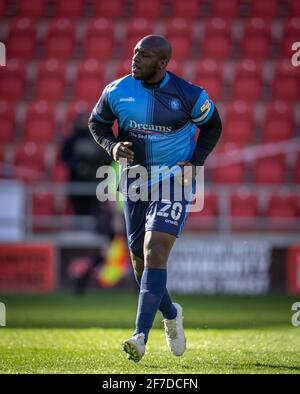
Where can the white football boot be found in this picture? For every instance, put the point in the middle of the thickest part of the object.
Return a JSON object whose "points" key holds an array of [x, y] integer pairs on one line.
{"points": [[175, 333], [135, 347]]}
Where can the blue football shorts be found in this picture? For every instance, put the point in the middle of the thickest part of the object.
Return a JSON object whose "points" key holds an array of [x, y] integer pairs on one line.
{"points": [[167, 215]]}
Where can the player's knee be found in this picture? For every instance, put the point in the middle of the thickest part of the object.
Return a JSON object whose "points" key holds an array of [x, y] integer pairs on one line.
{"points": [[155, 256]]}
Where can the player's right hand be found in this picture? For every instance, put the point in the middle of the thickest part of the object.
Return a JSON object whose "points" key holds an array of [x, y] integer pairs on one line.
{"points": [[122, 153]]}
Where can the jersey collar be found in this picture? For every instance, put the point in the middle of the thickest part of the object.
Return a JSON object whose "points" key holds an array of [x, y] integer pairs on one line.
{"points": [[162, 83]]}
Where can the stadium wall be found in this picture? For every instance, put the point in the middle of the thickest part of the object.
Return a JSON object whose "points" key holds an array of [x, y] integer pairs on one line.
{"points": [[198, 264]]}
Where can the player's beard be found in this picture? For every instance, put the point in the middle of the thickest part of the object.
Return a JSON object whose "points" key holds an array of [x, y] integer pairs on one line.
{"points": [[137, 74], [142, 76]]}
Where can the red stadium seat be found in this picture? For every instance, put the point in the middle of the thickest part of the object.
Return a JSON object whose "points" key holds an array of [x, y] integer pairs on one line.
{"points": [[60, 40], [43, 204], [263, 9], [147, 9], [239, 123], [181, 47], [226, 9], [283, 211], [248, 80], [89, 80], [229, 173], [2, 157], [39, 123], [209, 75], [186, 9], [137, 28], [7, 116], [50, 83], [99, 42], [179, 32], [21, 41], [207, 219], [294, 8], [29, 162], [43, 207], [63, 9], [286, 82], [297, 168], [216, 42], [278, 122], [283, 205], [60, 173], [176, 67], [12, 81], [270, 170], [256, 42], [123, 68], [179, 27], [244, 210], [100, 25], [31, 9], [291, 34], [3, 8], [109, 9]]}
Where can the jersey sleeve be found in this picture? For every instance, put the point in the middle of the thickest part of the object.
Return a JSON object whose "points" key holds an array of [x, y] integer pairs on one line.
{"points": [[203, 109], [103, 111]]}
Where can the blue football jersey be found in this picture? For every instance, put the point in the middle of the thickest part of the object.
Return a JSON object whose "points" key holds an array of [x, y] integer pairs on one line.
{"points": [[161, 123]]}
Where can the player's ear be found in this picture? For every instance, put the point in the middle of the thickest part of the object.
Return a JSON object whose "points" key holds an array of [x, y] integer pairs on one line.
{"points": [[163, 63]]}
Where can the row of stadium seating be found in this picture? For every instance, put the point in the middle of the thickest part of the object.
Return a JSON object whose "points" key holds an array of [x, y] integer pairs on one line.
{"points": [[153, 9], [61, 54], [54, 81], [248, 210], [256, 38], [43, 123], [33, 163]]}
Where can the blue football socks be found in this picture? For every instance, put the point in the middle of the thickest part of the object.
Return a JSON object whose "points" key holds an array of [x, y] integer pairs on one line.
{"points": [[152, 291], [166, 306]]}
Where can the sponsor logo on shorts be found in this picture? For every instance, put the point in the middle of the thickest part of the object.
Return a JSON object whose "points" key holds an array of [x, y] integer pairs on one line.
{"points": [[172, 222]]}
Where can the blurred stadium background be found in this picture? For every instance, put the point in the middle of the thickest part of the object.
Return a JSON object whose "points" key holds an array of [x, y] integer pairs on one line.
{"points": [[60, 55]]}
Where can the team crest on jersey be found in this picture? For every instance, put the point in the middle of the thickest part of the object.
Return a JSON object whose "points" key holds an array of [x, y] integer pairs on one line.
{"points": [[175, 104]]}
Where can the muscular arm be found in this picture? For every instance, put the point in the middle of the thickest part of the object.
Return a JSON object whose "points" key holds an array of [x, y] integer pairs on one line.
{"points": [[207, 139]]}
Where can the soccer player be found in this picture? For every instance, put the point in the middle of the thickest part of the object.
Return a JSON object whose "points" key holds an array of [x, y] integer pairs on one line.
{"points": [[158, 114]]}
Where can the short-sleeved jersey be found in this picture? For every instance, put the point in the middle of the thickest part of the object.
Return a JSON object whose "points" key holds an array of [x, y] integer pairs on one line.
{"points": [[161, 123]]}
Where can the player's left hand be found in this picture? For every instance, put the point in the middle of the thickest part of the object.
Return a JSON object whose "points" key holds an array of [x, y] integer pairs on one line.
{"points": [[188, 172]]}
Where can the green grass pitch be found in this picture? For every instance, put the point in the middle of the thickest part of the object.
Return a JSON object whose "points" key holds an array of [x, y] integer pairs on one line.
{"points": [[64, 333]]}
